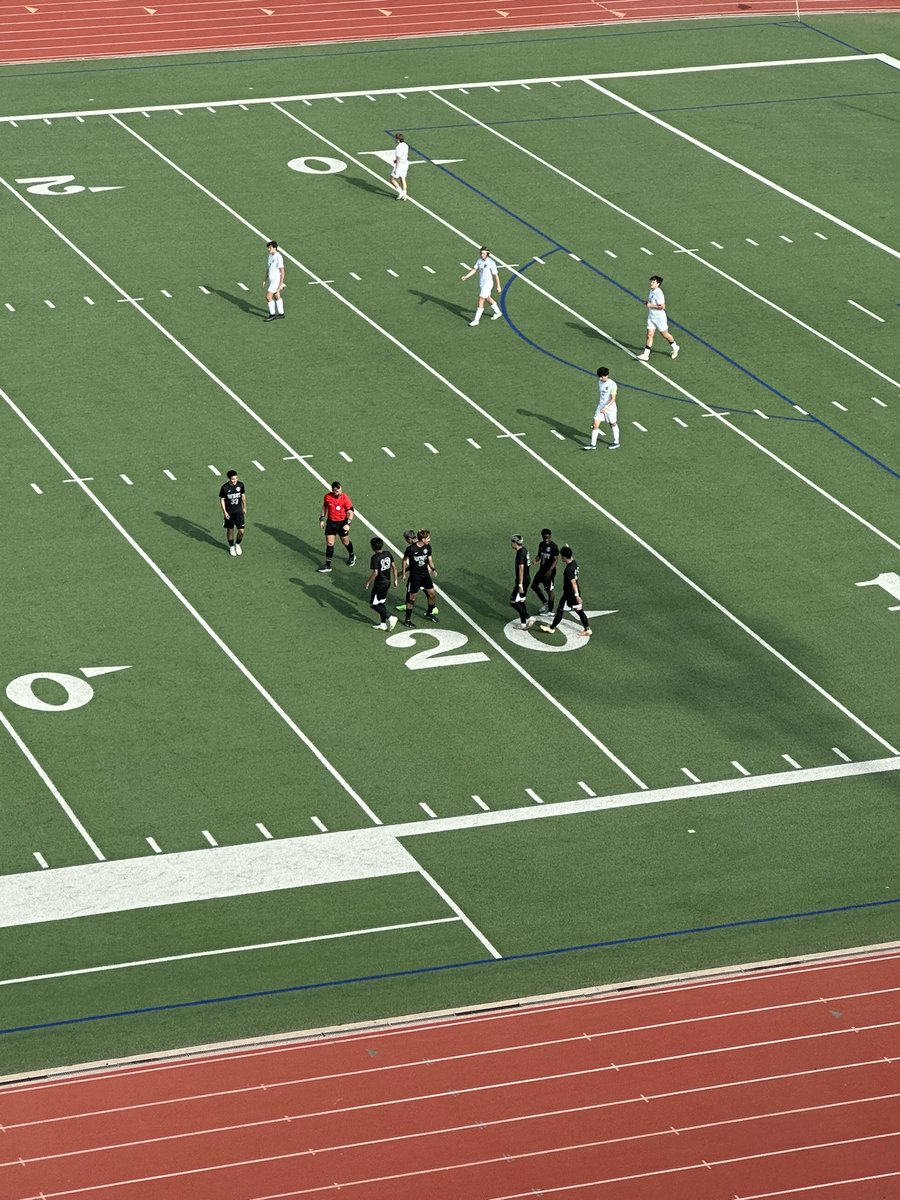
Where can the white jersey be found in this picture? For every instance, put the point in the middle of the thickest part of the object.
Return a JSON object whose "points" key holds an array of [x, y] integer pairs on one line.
{"points": [[487, 269], [606, 409], [275, 267], [656, 317]]}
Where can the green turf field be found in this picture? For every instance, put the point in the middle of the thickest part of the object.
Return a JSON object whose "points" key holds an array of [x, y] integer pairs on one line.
{"points": [[270, 816]]}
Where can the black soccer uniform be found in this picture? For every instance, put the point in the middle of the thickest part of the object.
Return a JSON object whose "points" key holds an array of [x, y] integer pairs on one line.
{"points": [[417, 573], [517, 598], [381, 562], [570, 596], [546, 553], [231, 492]]}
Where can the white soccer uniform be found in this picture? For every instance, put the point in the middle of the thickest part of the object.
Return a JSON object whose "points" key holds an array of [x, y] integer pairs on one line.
{"points": [[401, 161], [273, 271], [656, 317], [606, 409], [487, 273]]}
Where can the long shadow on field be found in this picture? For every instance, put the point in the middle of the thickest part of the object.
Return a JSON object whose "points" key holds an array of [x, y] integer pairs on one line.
{"points": [[554, 423], [599, 337], [315, 554], [458, 310], [480, 594], [200, 533], [241, 302], [325, 595], [366, 185]]}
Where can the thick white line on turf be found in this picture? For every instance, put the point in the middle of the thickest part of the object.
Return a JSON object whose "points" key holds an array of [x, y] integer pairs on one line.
{"points": [[495, 645], [738, 166], [51, 788], [454, 87], [190, 875], [670, 241], [169, 958], [506, 433], [161, 575], [451, 903]]}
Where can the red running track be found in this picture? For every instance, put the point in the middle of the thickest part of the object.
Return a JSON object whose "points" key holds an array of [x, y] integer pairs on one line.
{"points": [[783, 1082], [66, 29]]}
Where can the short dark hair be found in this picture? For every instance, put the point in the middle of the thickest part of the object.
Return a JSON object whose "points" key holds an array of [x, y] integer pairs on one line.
{"points": [[231, 474], [546, 532], [423, 534], [398, 137], [566, 552], [335, 483], [484, 248], [376, 543], [603, 370], [275, 244], [658, 278]]}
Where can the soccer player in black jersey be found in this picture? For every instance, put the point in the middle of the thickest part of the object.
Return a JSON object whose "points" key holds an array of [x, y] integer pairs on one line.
{"points": [[545, 556], [571, 597], [522, 580], [383, 575], [418, 569], [233, 502], [409, 536]]}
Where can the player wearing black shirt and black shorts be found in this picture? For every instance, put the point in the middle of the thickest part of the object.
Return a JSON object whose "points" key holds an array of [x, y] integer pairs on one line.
{"points": [[418, 570], [522, 580], [571, 597], [382, 575], [233, 502], [545, 556]]}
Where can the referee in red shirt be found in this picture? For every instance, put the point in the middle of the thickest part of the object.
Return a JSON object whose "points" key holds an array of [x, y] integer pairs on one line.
{"points": [[334, 519]]}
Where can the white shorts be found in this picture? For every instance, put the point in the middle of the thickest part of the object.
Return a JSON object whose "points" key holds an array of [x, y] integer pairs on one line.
{"points": [[610, 414], [399, 170], [656, 319], [486, 290], [273, 283]]}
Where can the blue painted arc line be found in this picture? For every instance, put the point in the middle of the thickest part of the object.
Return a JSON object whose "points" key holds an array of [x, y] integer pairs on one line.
{"points": [[457, 966]]}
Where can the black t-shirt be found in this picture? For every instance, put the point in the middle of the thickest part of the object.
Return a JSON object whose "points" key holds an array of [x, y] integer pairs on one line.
{"points": [[545, 554], [417, 561], [381, 562], [570, 577], [523, 560], [231, 493]]}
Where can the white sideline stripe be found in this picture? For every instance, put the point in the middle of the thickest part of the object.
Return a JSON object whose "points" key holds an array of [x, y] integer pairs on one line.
{"points": [[296, 862], [495, 645], [169, 958], [451, 903], [49, 784], [669, 241], [160, 574], [479, 85], [548, 466], [867, 311], [755, 175], [817, 1187], [188, 875]]}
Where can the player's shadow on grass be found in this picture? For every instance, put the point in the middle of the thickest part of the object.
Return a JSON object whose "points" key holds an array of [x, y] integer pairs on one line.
{"points": [[315, 554], [325, 595], [553, 423], [458, 310], [482, 595], [601, 337], [367, 185], [241, 302], [200, 533]]}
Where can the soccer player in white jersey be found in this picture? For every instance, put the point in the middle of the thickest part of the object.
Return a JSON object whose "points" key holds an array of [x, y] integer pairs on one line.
{"points": [[656, 319], [488, 279], [273, 282], [401, 167], [606, 409]]}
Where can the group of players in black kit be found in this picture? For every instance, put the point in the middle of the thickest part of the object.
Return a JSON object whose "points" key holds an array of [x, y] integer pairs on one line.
{"points": [[417, 568]]}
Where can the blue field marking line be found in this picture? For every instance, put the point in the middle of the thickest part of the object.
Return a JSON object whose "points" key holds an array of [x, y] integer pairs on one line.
{"points": [[401, 46], [810, 418], [457, 966], [830, 36]]}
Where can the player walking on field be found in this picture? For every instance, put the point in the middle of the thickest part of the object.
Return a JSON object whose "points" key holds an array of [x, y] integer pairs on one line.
{"points": [[400, 167], [383, 574], [656, 319], [606, 410], [488, 279], [273, 282], [571, 597], [545, 556], [418, 569], [233, 503], [334, 519], [521, 581]]}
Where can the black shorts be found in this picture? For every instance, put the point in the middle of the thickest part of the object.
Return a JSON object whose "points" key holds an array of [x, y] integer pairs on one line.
{"points": [[516, 597], [236, 520], [544, 577], [419, 583], [379, 593], [338, 528]]}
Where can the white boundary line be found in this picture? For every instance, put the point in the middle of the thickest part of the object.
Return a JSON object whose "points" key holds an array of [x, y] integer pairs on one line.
{"points": [[698, 258], [445, 87]]}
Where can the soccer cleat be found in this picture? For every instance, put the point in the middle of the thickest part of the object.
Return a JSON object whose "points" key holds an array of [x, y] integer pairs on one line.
{"points": [[435, 610], [431, 617], [400, 607], [380, 626], [237, 549], [585, 633], [271, 317], [497, 315], [351, 561], [530, 622], [547, 629], [613, 446], [280, 316], [324, 569], [546, 609], [472, 324], [231, 550], [644, 356], [589, 447], [409, 624], [392, 621], [675, 349]]}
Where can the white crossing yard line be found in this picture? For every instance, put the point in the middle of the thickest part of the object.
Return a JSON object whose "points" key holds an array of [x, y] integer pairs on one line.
{"points": [[841, 755], [257, 464], [801, 410], [35, 488], [205, 291], [320, 825], [760, 413], [345, 456], [125, 479], [388, 452], [243, 287], [168, 474], [41, 861], [262, 829], [215, 470], [586, 788], [394, 273], [786, 239], [690, 774], [153, 844], [88, 300], [867, 311], [353, 275], [610, 254], [430, 270], [472, 442], [678, 421], [428, 811], [557, 434], [751, 241], [840, 406], [433, 449], [481, 804], [10, 307], [533, 794], [718, 245], [737, 766], [792, 762], [50, 304], [646, 251], [822, 236], [209, 837], [880, 402], [168, 295], [639, 426]]}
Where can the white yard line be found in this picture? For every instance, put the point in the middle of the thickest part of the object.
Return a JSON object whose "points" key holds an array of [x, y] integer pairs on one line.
{"points": [[669, 240], [532, 453]]}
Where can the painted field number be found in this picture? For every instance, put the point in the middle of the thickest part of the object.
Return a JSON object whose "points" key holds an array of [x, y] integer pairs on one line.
{"points": [[890, 581], [76, 692], [441, 655], [59, 185]]}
